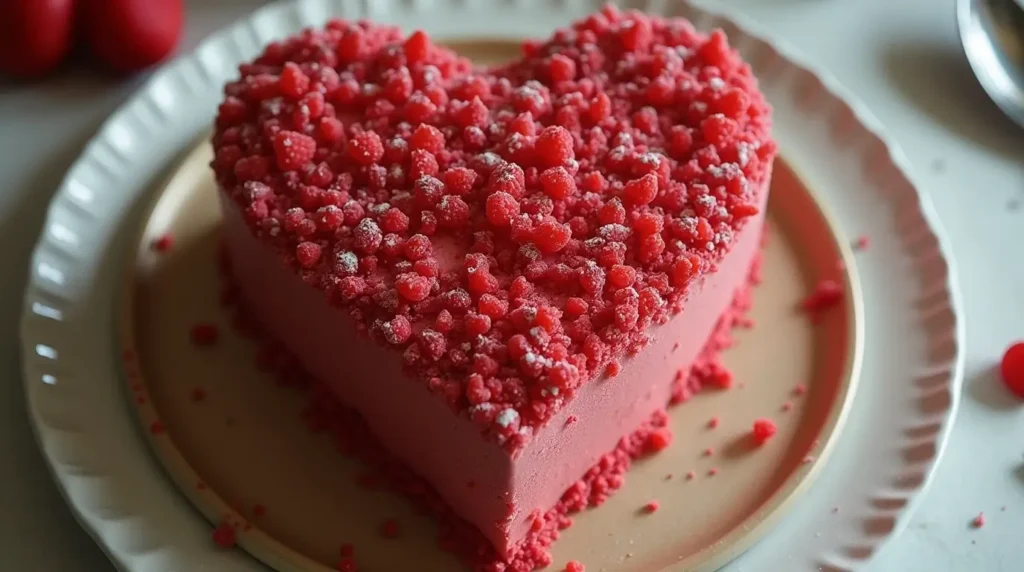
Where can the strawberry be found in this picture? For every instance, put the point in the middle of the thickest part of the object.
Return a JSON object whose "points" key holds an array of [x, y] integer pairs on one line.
{"points": [[35, 35], [130, 35]]}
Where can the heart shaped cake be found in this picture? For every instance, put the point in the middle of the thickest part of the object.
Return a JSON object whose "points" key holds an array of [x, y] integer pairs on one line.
{"points": [[502, 270]]}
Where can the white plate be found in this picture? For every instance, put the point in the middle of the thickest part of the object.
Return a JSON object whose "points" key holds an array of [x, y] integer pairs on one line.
{"points": [[912, 363]]}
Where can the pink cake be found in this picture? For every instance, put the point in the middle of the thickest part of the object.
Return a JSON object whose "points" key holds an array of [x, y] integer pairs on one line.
{"points": [[501, 270]]}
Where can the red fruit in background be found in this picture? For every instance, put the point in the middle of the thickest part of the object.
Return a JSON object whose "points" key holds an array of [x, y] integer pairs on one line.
{"points": [[130, 35], [35, 35]]}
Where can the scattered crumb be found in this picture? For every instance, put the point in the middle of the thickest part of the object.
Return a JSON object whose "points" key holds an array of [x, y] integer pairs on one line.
{"points": [[835, 510], [763, 430], [709, 451], [808, 459], [713, 423], [156, 428], [712, 471], [978, 521], [826, 295], [224, 535], [787, 406], [690, 475], [163, 243], [861, 242], [198, 394], [799, 389], [570, 420], [651, 507], [390, 529], [668, 476], [1002, 508], [574, 566]]}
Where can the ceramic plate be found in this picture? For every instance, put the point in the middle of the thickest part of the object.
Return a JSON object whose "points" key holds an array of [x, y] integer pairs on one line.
{"points": [[896, 425]]}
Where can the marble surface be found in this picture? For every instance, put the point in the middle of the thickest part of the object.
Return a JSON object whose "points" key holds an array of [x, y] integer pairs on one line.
{"points": [[902, 59]]}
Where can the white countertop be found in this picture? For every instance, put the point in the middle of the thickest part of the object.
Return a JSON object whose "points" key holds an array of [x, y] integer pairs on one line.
{"points": [[903, 60]]}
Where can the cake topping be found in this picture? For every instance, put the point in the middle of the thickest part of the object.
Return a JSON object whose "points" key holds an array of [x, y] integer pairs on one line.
{"points": [[512, 231]]}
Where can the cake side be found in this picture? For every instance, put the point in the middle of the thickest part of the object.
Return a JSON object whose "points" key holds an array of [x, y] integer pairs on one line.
{"points": [[511, 232], [487, 486]]}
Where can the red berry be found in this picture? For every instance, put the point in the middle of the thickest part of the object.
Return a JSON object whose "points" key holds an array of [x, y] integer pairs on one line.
{"points": [[427, 138], [308, 254], [129, 35], [641, 191], [621, 276], [763, 430], [35, 36], [501, 208], [551, 236], [412, 286], [561, 68], [554, 146], [557, 183], [365, 148], [658, 440], [398, 330], [293, 150], [293, 83], [574, 566], [1012, 369], [417, 47]]}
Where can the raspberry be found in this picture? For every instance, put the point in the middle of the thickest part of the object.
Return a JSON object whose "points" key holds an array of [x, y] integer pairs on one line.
{"points": [[452, 212], [501, 208], [492, 306], [417, 247], [561, 68], [308, 254], [477, 324], [423, 164], [427, 138], [554, 146], [416, 47], [293, 83], [550, 236], [412, 287], [459, 181], [508, 178], [621, 276], [684, 270], [641, 191], [718, 129], [557, 183], [398, 330], [365, 148], [394, 220], [472, 114], [293, 150], [763, 430]]}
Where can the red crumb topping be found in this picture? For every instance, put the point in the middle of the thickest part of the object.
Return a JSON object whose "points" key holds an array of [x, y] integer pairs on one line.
{"points": [[978, 521], [197, 394], [204, 334], [163, 243], [763, 430], [535, 218], [224, 535], [713, 423], [651, 506], [659, 440], [156, 428], [574, 566], [826, 295], [862, 242], [390, 529], [1011, 369]]}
